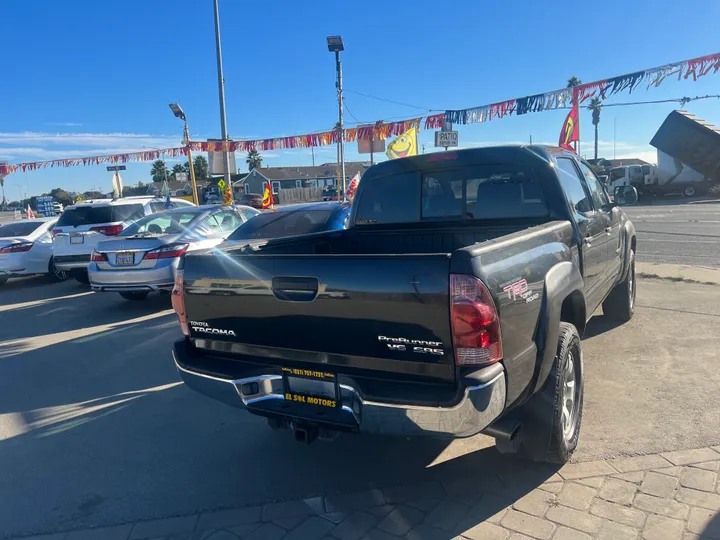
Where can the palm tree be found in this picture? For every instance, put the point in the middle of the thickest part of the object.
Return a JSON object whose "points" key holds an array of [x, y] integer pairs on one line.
{"points": [[595, 106], [159, 171], [254, 160], [2, 185], [573, 82]]}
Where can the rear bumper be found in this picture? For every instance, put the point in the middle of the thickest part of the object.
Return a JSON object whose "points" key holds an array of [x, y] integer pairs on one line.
{"points": [[70, 262], [479, 406], [151, 279]]}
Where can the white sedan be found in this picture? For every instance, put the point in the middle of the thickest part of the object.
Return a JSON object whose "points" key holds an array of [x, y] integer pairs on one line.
{"points": [[26, 248]]}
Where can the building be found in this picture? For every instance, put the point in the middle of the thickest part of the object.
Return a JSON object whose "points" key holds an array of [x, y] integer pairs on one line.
{"points": [[296, 177]]}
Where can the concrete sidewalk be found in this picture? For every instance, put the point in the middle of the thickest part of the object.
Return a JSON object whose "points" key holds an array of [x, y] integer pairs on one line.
{"points": [[679, 272], [667, 496]]}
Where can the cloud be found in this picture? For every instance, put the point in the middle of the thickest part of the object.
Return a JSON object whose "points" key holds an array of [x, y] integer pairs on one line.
{"points": [[64, 124], [105, 140]]}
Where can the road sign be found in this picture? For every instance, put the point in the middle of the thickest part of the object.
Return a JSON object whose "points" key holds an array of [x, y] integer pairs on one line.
{"points": [[446, 138], [181, 177], [112, 168], [216, 160], [222, 185]]}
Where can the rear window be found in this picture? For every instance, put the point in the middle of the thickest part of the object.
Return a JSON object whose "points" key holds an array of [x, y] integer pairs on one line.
{"points": [[92, 215], [19, 229], [277, 224], [486, 192]]}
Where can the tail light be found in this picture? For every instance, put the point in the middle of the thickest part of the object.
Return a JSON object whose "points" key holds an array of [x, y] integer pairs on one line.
{"points": [[96, 256], [55, 232], [19, 247], [475, 322], [108, 230], [167, 252], [178, 301]]}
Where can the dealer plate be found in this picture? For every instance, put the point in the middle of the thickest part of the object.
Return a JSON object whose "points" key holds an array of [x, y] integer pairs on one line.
{"points": [[311, 387], [77, 238]]}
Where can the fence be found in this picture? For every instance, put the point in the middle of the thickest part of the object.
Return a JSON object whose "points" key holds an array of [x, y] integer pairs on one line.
{"points": [[296, 195]]}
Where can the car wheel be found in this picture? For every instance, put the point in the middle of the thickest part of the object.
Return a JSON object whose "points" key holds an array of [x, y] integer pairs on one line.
{"points": [[689, 191], [54, 274], [551, 427], [81, 275], [620, 303], [3, 280], [134, 295]]}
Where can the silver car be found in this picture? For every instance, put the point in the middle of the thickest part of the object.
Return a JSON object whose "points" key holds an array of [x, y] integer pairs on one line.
{"points": [[144, 257]]}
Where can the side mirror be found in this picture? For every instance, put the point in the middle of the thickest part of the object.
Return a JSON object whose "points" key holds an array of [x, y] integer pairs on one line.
{"points": [[625, 195]]}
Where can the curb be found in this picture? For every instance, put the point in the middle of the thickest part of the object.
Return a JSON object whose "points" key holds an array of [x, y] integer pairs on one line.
{"points": [[678, 272]]}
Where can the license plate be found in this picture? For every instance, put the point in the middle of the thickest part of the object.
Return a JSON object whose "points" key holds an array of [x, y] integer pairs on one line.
{"points": [[124, 258], [77, 238], [311, 387]]}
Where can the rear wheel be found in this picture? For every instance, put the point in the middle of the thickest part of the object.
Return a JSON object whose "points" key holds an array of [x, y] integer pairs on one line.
{"points": [[54, 274], [689, 191], [551, 427], [620, 303], [81, 275], [134, 295]]}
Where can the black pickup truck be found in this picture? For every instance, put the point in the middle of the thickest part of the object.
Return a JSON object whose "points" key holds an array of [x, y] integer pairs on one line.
{"points": [[453, 304]]}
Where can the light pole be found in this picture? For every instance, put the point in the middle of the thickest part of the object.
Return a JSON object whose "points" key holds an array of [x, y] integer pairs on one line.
{"points": [[178, 112], [221, 94], [335, 44]]}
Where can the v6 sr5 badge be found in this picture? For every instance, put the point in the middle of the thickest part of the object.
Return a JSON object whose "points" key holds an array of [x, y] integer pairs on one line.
{"points": [[520, 289]]}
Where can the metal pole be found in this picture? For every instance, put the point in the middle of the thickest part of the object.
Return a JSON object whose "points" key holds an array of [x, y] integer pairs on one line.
{"points": [[614, 134], [221, 94], [340, 111], [186, 135], [312, 149]]}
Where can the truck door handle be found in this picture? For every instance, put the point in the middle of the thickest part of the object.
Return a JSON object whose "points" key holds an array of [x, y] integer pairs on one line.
{"points": [[295, 289], [587, 240], [607, 230]]}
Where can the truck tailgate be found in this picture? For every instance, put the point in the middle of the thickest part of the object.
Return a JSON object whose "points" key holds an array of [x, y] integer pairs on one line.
{"points": [[382, 313]]}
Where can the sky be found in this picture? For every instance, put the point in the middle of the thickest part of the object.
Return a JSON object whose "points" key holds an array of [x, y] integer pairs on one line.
{"points": [[85, 78]]}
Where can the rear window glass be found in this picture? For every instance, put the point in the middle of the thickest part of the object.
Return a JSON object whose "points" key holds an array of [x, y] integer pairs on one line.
{"points": [[163, 223], [485, 192], [92, 215], [277, 224], [19, 229]]}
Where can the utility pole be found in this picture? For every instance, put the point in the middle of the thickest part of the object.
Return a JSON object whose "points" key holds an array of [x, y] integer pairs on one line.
{"points": [[221, 94], [312, 149], [342, 125]]}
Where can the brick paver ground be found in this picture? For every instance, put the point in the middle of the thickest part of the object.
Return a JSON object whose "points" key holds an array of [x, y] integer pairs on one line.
{"points": [[668, 496]]}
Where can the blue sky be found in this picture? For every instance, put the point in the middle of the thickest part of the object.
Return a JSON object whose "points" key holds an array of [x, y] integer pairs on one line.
{"points": [[87, 77]]}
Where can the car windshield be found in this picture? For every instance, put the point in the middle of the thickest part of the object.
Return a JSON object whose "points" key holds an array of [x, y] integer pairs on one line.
{"points": [[107, 213], [163, 223], [274, 225], [21, 228]]}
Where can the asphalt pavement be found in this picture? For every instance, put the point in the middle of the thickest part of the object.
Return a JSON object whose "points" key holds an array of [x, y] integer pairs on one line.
{"points": [[675, 231], [96, 429]]}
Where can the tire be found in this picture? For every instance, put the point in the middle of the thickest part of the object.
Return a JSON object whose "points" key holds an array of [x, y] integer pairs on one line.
{"points": [[54, 274], [134, 295], [689, 191], [620, 303], [3, 280], [551, 427], [81, 275]]}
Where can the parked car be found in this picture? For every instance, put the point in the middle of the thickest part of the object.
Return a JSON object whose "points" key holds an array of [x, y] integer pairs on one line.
{"points": [[292, 220], [26, 248], [83, 225], [331, 194], [452, 305], [144, 257], [251, 199]]}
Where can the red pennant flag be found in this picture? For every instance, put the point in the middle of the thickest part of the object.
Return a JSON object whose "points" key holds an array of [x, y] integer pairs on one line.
{"points": [[352, 188], [571, 128]]}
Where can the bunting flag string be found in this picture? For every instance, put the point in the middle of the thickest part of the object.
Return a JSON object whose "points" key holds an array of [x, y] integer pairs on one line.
{"points": [[145, 155], [562, 98]]}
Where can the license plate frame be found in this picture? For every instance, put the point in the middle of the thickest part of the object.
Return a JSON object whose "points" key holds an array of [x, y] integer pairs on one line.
{"points": [[125, 258], [76, 239], [312, 387]]}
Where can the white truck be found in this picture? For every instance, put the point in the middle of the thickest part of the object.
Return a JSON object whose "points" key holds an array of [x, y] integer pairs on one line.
{"points": [[688, 159]]}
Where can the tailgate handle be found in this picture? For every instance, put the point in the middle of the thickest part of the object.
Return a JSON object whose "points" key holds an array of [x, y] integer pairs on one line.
{"points": [[295, 289]]}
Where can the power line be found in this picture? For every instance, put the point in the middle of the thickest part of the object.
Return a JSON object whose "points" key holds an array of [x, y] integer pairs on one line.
{"points": [[391, 101]]}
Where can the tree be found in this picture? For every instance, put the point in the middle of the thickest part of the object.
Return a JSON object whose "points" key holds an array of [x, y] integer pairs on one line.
{"points": [[595, 106], [254, 160], [159, 171], [200, 165], [178, 168], [573, 82], [61, 196], [2, 185]]}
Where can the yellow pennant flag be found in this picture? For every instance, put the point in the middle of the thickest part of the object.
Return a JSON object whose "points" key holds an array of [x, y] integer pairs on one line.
{"points": [[405, 145]]}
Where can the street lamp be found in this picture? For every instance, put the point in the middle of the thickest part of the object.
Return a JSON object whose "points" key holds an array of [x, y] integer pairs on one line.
{"points": [[335, 44], [178, 112]]}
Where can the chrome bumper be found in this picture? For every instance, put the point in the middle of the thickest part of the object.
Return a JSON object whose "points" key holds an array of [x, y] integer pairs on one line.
{"points": [[480, 406]]}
